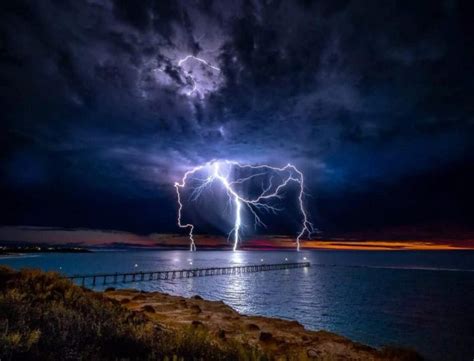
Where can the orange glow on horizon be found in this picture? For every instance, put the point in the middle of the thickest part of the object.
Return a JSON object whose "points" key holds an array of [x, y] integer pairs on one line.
{"points": [[366, 245], [107, 238], [385, 245]]}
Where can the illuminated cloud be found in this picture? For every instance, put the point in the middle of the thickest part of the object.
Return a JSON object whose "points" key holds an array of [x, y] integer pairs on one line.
{"points": [[372, 103]]}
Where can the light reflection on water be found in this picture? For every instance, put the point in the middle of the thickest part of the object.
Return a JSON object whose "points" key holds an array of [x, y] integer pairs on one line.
{"points": [[405, 298]]}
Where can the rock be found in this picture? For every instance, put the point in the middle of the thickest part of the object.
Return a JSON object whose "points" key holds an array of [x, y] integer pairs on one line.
{"points": [[313, 352], [196, 323], [139, 297], [253, 327], [148, 308], [265, 336], [109, 289], [197, 297], [295, 324], [195, 309]]}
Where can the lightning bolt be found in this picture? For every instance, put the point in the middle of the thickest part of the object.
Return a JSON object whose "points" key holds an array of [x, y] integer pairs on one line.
{"points": [[221, 171], [187, 57], [189, 74]]}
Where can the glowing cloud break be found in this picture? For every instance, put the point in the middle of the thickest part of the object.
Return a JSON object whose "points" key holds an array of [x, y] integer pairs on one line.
{"points": [[221, 171]]}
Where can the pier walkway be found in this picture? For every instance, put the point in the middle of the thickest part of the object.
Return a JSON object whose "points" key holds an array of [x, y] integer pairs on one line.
{"points": [[107, 278]]}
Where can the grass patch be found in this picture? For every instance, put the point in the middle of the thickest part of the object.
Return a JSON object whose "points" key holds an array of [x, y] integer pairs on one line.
{"points": [[44, 316]]}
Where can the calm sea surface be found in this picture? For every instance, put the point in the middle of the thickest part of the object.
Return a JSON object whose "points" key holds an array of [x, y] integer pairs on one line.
{"points": [[422, 300]]}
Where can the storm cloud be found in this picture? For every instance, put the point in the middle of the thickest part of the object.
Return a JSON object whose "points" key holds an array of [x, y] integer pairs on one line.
{"points": [[106, 103]]}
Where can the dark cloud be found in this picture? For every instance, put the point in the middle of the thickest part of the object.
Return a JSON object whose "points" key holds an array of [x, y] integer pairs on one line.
{"points": [[95, 102]]}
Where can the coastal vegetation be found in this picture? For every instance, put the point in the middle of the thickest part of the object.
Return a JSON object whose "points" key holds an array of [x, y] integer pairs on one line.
{"points": [[46, 317]]}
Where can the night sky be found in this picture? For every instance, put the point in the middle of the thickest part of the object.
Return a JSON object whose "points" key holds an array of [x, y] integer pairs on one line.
{"points": [[372, 100]]}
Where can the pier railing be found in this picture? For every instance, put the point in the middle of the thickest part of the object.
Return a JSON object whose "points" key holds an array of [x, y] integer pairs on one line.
{"points": [[107, 278]]}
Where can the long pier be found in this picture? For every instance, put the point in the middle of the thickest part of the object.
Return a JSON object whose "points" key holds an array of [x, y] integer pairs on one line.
{"points": [[107, 278]]}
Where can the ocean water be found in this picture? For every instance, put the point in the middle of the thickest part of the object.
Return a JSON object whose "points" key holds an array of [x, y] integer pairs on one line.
{"points": [[422, 300]]}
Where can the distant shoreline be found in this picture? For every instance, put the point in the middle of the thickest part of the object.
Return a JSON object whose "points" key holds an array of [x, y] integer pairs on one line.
{"points": [[6, 251], [18, 255]]}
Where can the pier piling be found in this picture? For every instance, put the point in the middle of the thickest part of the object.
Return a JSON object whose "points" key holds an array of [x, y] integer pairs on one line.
{"points": [[184, 273]]}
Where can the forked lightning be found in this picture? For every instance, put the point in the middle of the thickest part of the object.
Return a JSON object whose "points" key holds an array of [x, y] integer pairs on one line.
{"points": [[221, 171]]}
